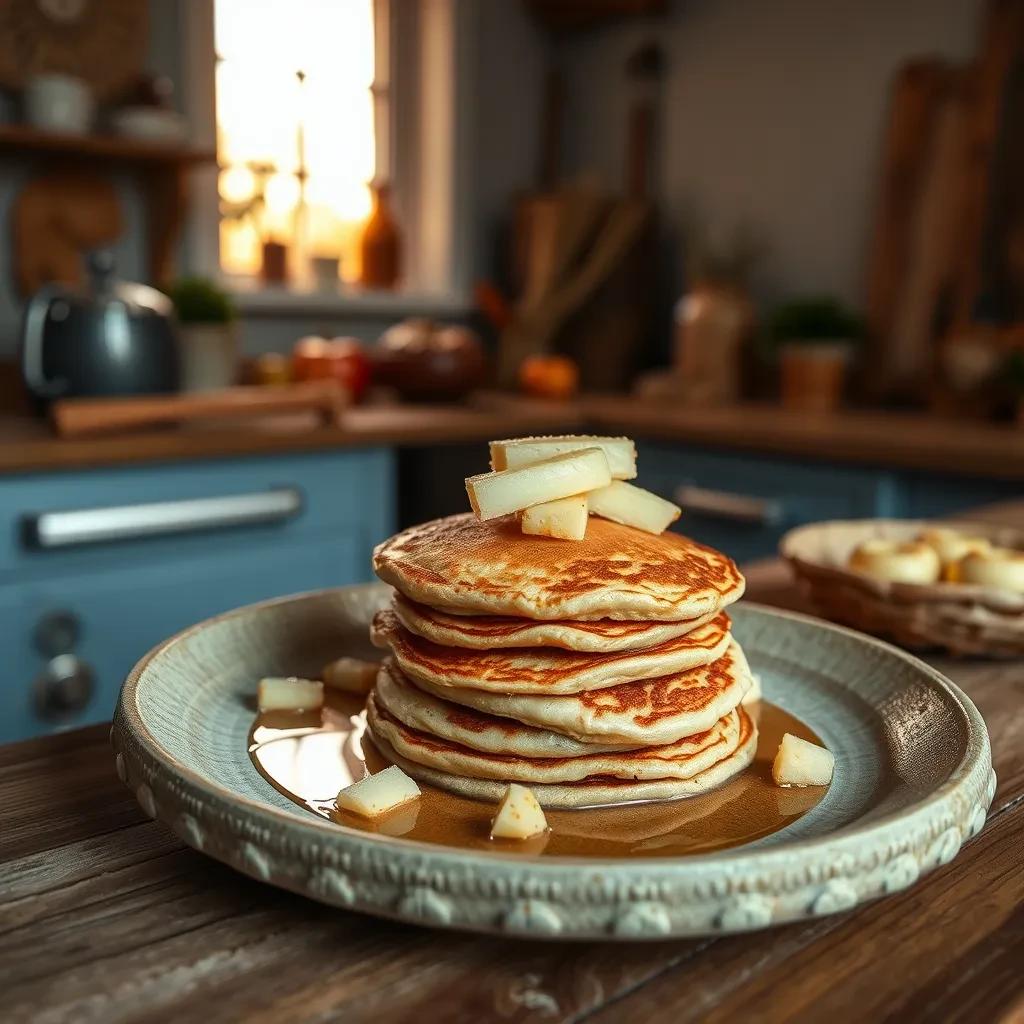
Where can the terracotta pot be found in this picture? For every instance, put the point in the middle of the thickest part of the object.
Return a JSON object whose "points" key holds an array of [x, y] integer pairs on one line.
{"points": [[813, 375]]}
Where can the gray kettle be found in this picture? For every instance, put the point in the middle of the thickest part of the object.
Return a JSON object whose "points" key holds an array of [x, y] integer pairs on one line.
{"points": [[118, 340]]}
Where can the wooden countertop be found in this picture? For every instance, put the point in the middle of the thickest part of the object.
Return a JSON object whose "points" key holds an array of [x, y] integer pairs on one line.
{"points": [[28, 445], [906, 441], [899, 440], [104, 916]]}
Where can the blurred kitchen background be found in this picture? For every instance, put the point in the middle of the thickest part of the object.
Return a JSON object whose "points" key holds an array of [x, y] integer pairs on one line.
{"points": [[274, 272]]}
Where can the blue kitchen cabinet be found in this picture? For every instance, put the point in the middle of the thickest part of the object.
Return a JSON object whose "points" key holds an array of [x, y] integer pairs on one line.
{"points": [[743, 504], [85, 612], [926, 496]]}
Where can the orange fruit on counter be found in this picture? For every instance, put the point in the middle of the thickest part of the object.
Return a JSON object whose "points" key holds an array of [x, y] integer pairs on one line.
{"points": [[549, 376]]}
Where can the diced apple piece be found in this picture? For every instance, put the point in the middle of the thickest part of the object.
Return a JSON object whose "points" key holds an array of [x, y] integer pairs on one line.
{"points": [[562, 476], [525, 451], [377, 794], [352, 675], [633, 506], [289, 694], [519, 815], [802, 763], [565, 518], [753, 694]]}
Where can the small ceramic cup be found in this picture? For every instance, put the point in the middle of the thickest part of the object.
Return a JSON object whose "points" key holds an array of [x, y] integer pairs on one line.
{"points": [[325, 272], [59, 103]]}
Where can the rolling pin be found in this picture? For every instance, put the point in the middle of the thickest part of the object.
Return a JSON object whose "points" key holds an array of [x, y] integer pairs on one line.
{"points": [[82, 417]]}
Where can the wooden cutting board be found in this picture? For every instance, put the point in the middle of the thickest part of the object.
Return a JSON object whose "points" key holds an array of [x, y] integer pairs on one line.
{"points": [[916, 96], [921, 312], [1001, 50], [86, 417]]}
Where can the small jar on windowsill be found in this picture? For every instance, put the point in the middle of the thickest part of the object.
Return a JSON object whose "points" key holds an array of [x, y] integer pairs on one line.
{"points": [[815, 340]]}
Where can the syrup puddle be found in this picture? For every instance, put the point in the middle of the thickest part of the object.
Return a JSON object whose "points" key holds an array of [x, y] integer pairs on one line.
{"points": [[310, 756]]}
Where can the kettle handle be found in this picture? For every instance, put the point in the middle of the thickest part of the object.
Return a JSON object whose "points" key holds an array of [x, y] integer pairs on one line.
{"points": [[32, 345]]}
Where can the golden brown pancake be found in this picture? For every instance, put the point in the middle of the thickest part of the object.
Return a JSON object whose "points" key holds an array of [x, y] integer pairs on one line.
{"points": [[471, 728], [544, 670], [462, 565], [595, 790], [680, 760], [495, 632], [640, 713]]}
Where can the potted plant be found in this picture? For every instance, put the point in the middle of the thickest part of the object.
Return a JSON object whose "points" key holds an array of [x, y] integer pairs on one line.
{"points": [[815, 338], [206, 327]]}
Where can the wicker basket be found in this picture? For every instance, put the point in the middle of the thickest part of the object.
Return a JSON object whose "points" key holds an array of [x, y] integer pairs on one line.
{"points": [[960, 618]]}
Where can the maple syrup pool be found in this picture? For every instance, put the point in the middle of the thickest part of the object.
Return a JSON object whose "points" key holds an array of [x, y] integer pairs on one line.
{"points": [[309, 756]]}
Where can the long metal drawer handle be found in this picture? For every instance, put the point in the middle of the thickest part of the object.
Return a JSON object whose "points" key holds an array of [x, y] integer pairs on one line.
{"points": [[736, 508], [160, 518]]}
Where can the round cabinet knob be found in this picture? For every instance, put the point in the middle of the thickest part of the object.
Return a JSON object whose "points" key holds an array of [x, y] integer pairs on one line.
{"points": [[63, 688], [56, 633]]}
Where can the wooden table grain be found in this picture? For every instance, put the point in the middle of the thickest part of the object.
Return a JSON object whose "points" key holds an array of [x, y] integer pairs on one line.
{"points": [[105, 916]]}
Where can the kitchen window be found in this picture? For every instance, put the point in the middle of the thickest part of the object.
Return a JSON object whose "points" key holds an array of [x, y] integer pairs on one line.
{"points": [[314, 100], [302, 121]]}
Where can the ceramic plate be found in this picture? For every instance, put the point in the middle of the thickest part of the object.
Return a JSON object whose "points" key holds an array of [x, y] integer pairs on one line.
{"points": [[913, 781]]}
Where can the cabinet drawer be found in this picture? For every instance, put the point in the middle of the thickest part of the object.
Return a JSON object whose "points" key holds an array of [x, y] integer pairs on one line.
{"points": [[743, 504], [74, 522], [121, 614]]}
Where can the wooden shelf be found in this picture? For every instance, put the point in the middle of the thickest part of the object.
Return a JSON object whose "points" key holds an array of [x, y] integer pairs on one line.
{"points": [[162, 168], [25, 139]]}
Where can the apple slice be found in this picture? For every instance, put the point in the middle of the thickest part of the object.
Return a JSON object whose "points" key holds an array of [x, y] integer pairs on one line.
{"points": [[289, 694], [802, 763], [378, 794], [351, 675], [525, 451], [562, 476], [565, 518], [633, 506], [519, 815], [753, 694]]}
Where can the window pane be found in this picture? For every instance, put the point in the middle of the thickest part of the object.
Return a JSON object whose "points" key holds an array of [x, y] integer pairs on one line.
{"points": [[294, 105]]}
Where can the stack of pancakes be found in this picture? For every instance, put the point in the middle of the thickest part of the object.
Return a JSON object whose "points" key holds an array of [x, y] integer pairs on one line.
{"points": [[596, 672]]}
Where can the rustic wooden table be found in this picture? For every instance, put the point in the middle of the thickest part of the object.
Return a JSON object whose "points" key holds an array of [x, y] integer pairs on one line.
{"points": [[105, 916]]}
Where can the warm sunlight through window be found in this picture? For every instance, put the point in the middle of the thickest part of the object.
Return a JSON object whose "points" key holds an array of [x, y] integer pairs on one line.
{"points": [[295, 130]]}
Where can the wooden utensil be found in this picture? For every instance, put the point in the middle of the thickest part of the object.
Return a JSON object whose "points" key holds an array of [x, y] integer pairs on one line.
{"points": [[1001, 50], [931, 248], [82, 417], [916, 94]]}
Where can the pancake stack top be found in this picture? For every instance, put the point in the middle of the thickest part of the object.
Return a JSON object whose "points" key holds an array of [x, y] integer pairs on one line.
{"points": [[595, 671]]}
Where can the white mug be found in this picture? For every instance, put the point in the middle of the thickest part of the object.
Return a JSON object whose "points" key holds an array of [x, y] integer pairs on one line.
{"points": [[59, 103]]}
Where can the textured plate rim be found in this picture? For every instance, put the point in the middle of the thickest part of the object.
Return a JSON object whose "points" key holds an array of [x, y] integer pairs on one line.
{"points": [[723, 892]]}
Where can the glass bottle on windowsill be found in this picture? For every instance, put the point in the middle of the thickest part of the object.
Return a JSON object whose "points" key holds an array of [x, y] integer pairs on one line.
{"points": [[381, 243]]}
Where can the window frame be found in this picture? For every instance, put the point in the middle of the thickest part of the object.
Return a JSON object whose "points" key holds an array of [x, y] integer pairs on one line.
{"points": [[423, 151]]}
